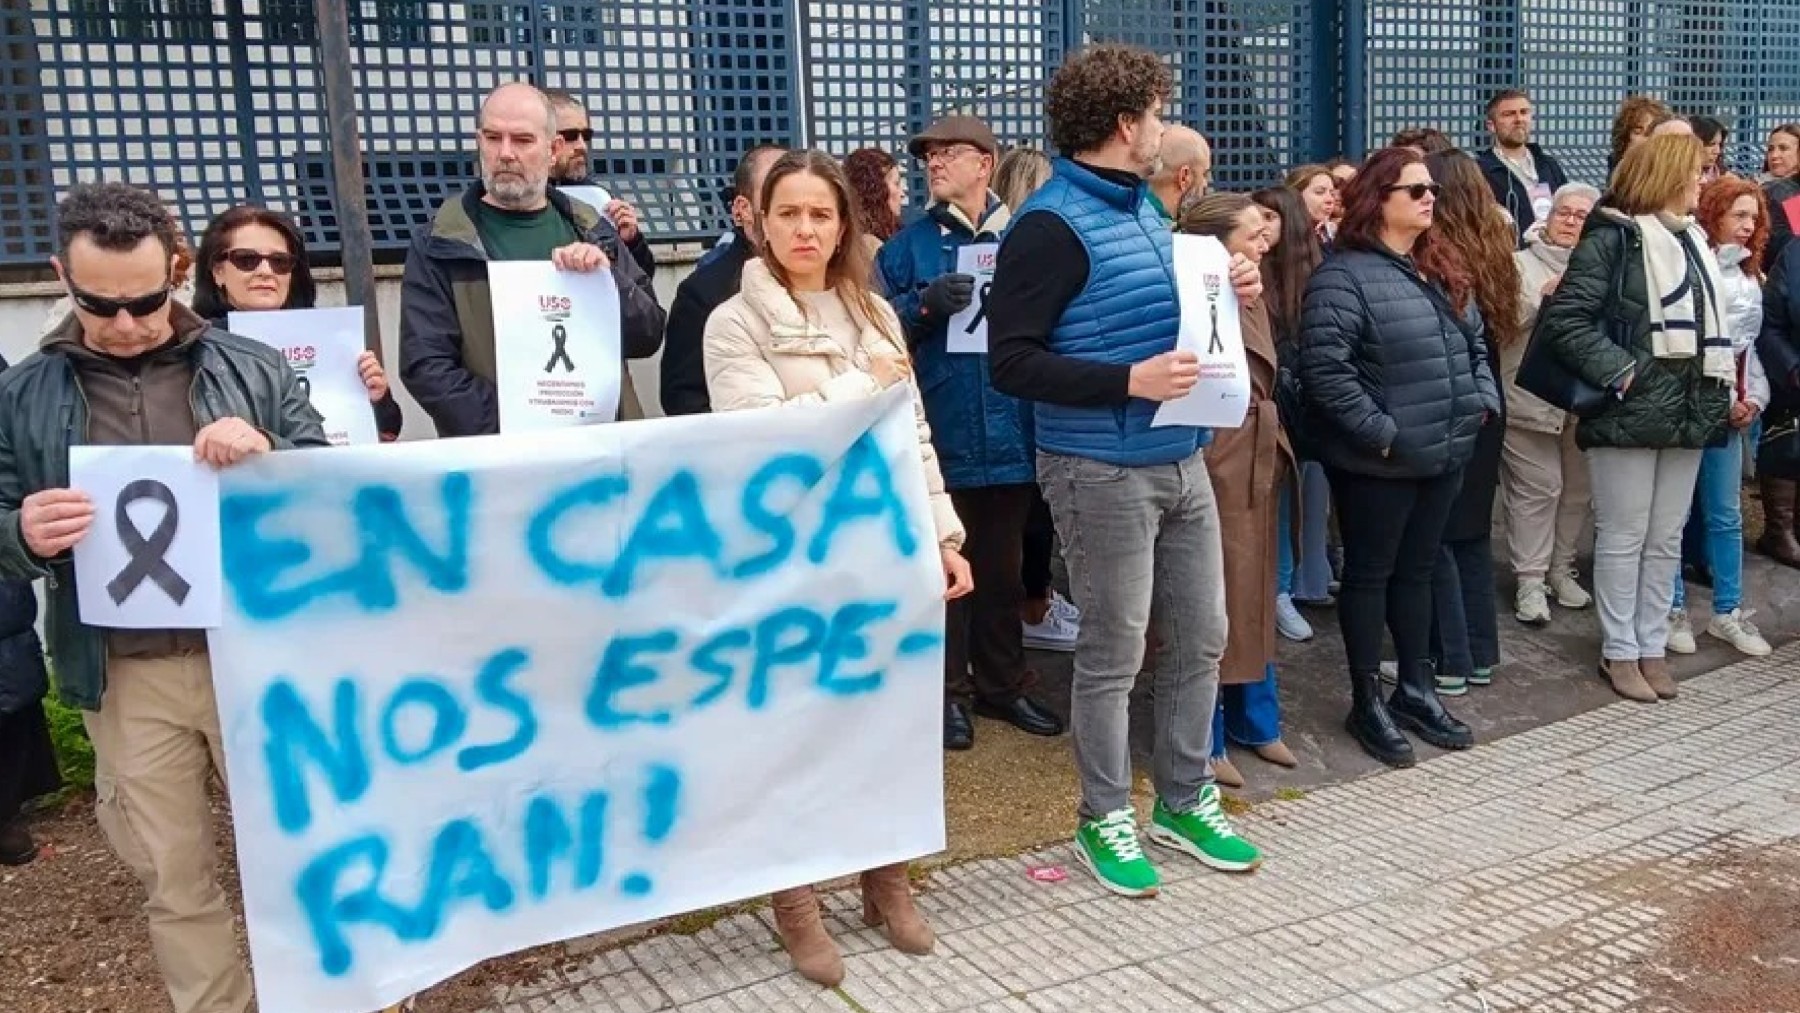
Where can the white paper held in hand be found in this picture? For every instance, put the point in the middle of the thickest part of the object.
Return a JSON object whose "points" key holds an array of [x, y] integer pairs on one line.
{"points": [[322, 345], [556, 345], [968, 330], [151, 559], [1212, 329], [596, 197]]}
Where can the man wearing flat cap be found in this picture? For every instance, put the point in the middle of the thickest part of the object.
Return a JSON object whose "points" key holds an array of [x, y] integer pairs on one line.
{"points": [[981, 435]]}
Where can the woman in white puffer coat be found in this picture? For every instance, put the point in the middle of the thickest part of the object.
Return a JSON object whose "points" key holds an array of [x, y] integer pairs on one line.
{"points": [[1735, 215]]}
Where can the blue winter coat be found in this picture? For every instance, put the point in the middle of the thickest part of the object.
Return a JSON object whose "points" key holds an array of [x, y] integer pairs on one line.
{"points": [[982, 437]]}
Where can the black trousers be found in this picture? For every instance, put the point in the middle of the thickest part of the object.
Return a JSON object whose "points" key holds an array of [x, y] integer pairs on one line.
{"points": [[1392, 530], [1040, 547], [984, 650]]}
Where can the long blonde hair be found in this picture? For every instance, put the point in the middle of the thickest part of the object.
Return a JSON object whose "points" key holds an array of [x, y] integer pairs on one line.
{"points": [[1654, 173], [852, 264], [1020, 173]]}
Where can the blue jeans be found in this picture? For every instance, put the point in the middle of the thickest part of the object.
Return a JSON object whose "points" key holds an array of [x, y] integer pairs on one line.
{"points": [[1248, 714], [1309, 577], [1721, 517], [1465, 635]]}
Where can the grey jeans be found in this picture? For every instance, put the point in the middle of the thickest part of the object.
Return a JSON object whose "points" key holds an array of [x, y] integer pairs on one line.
{"points": [[1641, 502], [1142, 546]]}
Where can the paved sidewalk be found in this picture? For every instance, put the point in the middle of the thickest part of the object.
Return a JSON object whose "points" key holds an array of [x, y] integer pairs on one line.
{"points": [[1537, 874]]}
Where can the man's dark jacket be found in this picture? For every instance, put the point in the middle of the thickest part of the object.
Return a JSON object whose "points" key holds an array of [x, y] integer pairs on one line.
{"points": [[447, 315], [23, 679], [43, 412], [684, 354], [1511, 192]]}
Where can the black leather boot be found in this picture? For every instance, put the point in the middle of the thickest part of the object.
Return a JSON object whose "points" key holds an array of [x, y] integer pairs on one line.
{"points": [[1370, 724], [1416, 708]]}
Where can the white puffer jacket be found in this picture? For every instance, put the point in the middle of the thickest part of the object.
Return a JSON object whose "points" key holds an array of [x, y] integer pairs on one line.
{"points": [[1741, 297]]}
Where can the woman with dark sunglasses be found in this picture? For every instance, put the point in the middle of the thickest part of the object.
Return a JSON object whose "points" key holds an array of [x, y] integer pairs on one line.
{"points": [[254, 259], [1396, 374]]}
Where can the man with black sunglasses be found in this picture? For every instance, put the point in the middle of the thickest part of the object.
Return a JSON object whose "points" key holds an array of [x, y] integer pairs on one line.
{"points": [[131, 366], [570, 166]]}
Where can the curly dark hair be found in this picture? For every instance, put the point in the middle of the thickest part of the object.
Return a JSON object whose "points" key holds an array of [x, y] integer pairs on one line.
{"points": [[1095, 87], [1468, 219], [114, 216], [1634, 110], [209, 300], [867, 170], [1364, 199]]}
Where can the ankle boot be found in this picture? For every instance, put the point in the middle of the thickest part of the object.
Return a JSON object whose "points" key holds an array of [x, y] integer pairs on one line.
{"points": [[1370, 724], [1416, 708], [1778, 541], [1627, 680], [803, 934], [16, 845], [887, 899]]}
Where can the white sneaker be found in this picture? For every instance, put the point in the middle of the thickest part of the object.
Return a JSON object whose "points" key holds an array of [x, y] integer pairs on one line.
{"points": [[1289, 622], [1569, 592], [1064, 607], [1531, 605], [1055, 633], [1736, 629], [1681, 633]]}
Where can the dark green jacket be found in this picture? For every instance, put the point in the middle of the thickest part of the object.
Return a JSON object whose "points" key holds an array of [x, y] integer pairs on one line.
{"points": [[43, 412], [1671, 402]]}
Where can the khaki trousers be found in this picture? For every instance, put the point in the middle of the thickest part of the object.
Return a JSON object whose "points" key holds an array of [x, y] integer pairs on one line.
{"points": [[1544, 485], [156, 741]]}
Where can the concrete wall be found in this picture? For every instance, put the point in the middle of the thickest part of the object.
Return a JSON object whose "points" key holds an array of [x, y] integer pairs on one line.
{"points": [[24, 310]]}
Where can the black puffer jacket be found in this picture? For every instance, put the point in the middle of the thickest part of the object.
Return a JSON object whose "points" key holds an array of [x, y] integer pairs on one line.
{"points": [[1670, 403], [1385, 369]]}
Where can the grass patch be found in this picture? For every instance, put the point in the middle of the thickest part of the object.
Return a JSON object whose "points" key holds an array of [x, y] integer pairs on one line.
{"points": [[74, 753], [1289, 794]]}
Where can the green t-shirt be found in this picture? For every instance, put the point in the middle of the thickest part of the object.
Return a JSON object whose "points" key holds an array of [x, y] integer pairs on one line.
{"points": [[522, 235]]}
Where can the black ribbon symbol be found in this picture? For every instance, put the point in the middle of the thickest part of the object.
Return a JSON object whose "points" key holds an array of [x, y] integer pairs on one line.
{"points": [[147, 554], [980, 311], [1216, 344], [561, 337]]}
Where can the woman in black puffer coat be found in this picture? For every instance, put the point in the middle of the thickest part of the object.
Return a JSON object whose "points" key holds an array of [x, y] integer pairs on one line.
{"points": [[27, 761], [1399, 386]]}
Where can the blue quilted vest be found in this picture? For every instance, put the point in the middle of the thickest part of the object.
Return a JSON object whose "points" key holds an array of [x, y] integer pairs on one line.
{"points": [[1126, 314]]}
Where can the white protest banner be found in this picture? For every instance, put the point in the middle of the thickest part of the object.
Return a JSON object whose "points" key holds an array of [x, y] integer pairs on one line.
{"points": [[968, 330], [151, 559], [322, 345], [485, 694], [556, 345], [596, 197], [1212, 330]]}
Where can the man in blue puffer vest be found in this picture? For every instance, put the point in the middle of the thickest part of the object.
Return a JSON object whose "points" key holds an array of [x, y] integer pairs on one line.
{"points": [[1084, 319], [982, 436]]}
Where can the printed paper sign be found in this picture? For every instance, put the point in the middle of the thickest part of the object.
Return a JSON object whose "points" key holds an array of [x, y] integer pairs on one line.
{"points": [[596, 197], [556, 346], [490, 693], [323, 346], [1212, 330], [969, 329], [151, 559]]}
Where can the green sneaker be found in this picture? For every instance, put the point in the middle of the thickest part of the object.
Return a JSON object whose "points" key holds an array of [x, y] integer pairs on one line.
{"points": [[1452, 685], [1204, 833], [1482, 677], [1110, 849]]}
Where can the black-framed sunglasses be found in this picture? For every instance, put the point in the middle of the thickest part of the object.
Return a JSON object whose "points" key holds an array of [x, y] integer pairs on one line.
{"points": [[137, 306], [249, 260], [1416, 191], [574, 134]]}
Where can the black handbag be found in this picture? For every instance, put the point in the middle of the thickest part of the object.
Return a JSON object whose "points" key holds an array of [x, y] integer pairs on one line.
{"points": [[1543, 374]]}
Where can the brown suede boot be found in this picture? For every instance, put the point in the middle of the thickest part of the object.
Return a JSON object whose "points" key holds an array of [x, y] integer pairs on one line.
{"points": [[1778, 541], [887, 899], [1627, 680], [803, 933], [1656, 674]]}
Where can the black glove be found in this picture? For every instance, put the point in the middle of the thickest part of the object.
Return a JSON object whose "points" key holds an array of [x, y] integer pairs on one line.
{"points": [[947, 295]]}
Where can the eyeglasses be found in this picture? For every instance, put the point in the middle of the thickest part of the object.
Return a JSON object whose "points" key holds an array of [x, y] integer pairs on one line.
{"points": [[137, 306], [1416, 191], [574, 134], [249, 260], [1570, 214], [949, 154]]}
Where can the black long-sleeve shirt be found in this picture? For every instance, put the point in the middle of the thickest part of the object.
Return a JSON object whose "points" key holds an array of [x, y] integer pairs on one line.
{"points": [[1041, 268]]}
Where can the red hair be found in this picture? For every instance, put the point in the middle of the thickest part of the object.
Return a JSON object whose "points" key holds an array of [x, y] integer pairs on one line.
{"points": [[1716, 199], [867, 169], [1363, 199]]}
